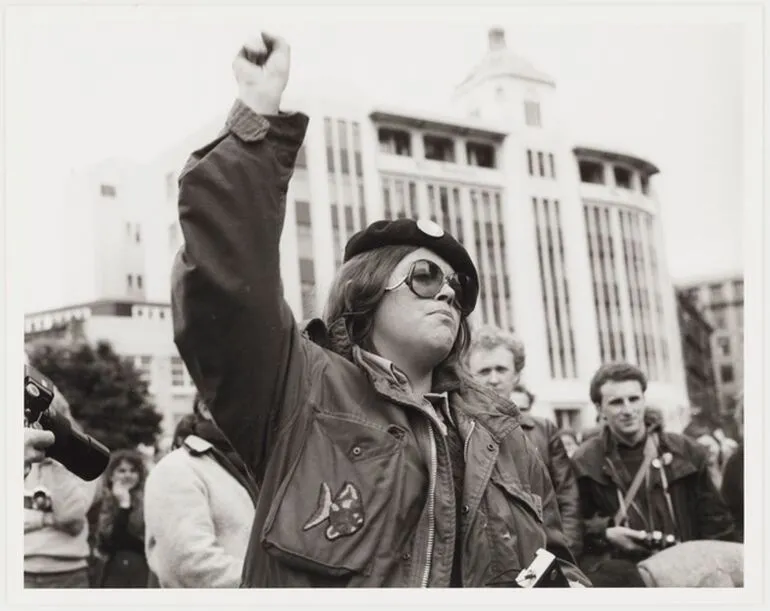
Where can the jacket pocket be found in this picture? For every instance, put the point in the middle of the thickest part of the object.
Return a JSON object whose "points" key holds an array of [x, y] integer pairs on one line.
{"points": [[514, 527], [341, 499]]}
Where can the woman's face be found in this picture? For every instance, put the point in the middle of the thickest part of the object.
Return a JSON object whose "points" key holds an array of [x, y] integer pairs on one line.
{"points": [[407, 325], [126, 475]]}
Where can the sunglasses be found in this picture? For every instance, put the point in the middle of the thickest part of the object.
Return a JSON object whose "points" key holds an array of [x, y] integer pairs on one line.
{"points": [[426, 279]]}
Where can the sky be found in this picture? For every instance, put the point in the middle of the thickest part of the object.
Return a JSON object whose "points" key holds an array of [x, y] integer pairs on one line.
{"points": [[85, 84]]}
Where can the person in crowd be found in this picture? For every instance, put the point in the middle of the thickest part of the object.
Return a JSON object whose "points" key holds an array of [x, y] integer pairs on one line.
{"points": [[55, 528], [634, 481], [119, 535], [199, 508], [714, 458], [497, 358], [693, 564], [570, 440], [545, 437], [732, 479], [380, 461]]}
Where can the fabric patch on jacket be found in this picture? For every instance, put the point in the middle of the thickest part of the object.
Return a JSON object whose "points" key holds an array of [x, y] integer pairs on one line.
{"points": [[344, 512]]}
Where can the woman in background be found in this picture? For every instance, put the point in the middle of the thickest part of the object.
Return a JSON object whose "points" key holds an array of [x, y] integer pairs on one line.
{"points": [[119, 533]]}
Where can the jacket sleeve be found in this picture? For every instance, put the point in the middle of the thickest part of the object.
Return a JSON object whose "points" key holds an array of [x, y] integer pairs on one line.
{"points": [[180, 540], [232, 326], [568, 498], [555, 539]]}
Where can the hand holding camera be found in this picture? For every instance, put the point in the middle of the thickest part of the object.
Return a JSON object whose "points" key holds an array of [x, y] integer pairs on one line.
{"points": [[35, 443]]}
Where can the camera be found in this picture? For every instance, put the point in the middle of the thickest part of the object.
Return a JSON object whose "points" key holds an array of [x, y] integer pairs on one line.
{"points": [[78, 452], [657, 541], [543, 572]]}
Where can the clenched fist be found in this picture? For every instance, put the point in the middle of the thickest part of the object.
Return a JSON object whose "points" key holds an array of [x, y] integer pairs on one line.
{"points": [[262, 71]]}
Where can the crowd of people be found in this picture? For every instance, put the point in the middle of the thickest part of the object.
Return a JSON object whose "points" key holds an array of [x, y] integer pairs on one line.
{"points": [[386, 444]]}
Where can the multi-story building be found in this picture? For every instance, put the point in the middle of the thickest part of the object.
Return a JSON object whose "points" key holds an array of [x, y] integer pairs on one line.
{"points": [[697, 356], [720, 298], [137, 329], [566, 237]]}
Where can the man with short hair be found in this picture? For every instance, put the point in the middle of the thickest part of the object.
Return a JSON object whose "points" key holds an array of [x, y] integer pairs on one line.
{"points": [[635, 480], [496, 358]]}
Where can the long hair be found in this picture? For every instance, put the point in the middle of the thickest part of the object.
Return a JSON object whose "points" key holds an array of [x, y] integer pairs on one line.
{"points": [[109, 506], [356, 294]]}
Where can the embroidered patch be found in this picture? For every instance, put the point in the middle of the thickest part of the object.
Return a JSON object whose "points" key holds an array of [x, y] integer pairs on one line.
{"points": [[345, 512]]}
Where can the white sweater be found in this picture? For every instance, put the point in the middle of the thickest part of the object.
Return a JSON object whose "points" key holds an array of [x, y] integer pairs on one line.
{"points": [[197, 522]]}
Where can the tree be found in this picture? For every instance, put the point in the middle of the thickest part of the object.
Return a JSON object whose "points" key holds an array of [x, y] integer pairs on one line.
{"points": [[106, 394]]}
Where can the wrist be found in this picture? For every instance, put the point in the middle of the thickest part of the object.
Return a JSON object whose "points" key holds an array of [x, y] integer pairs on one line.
{"points": [[260, 104]]}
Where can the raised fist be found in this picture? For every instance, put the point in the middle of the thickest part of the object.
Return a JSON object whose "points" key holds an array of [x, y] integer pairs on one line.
{"points": [[262, 71]]}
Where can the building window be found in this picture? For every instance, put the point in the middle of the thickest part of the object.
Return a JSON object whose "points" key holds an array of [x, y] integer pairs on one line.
{"points": [[438, 148], [130, 281], [726, 374], [622, 177], [480, 155], [644, 181], [107, 190], [724, 345], [720, 322], [138, 234], [343, 140], [143, 366], [177, 371], [303, 212], [568, 418], [591, 172], [552, 163], [530, 165], [359, 168], [329, 137], [532, 113], [139, 281], [716, 293], [395, 142], [301, 161], [541, 163]]}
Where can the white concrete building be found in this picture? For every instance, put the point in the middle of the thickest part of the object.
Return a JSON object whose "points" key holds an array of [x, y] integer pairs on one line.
{"points": [[566, 236]]}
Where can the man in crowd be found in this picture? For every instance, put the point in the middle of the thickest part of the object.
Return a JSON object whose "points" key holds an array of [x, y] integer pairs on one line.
{"points": [[497, 358], [634, 480], [55, 504]]}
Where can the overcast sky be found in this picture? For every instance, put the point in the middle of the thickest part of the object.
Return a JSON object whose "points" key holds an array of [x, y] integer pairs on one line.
{"points": [[84, 84]]}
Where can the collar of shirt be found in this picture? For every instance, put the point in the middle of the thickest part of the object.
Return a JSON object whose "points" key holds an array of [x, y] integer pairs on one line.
{"points": [[439, 402]]}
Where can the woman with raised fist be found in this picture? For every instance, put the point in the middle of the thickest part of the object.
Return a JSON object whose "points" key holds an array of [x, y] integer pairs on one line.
{"points": [[380, 461]]}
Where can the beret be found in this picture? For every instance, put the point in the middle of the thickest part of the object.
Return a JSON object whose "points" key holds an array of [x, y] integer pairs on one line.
{"points": [[421, 233]]}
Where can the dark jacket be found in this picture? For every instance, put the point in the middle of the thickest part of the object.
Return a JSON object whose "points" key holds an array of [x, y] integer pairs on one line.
{"points": [[732, 489], [544, 435], [699, 510], [355, 485]]}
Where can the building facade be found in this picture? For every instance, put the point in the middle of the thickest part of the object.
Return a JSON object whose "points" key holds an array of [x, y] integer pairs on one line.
{"points": [[698, 357], [138, 330], [720, 299], [566, 237]]}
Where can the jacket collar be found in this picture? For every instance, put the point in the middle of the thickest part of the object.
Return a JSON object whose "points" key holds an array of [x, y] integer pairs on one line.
{"points": [[468, 399]]}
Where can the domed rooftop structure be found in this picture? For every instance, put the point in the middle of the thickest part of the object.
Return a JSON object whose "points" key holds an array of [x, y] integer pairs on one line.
{"points": [[500, 62]]}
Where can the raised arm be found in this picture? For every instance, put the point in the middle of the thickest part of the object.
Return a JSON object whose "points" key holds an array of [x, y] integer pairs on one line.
{"points": [[232, 326]]}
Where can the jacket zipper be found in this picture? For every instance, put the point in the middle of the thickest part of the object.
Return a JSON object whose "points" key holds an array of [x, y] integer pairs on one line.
{"points": [[468, 440], [431, 508]]}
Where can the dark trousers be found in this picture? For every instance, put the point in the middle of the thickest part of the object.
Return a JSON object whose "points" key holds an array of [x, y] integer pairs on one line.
{"points": [[67, 579]]}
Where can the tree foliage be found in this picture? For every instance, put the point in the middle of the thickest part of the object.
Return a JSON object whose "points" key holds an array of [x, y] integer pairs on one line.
{"points": [[106, 393]]}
